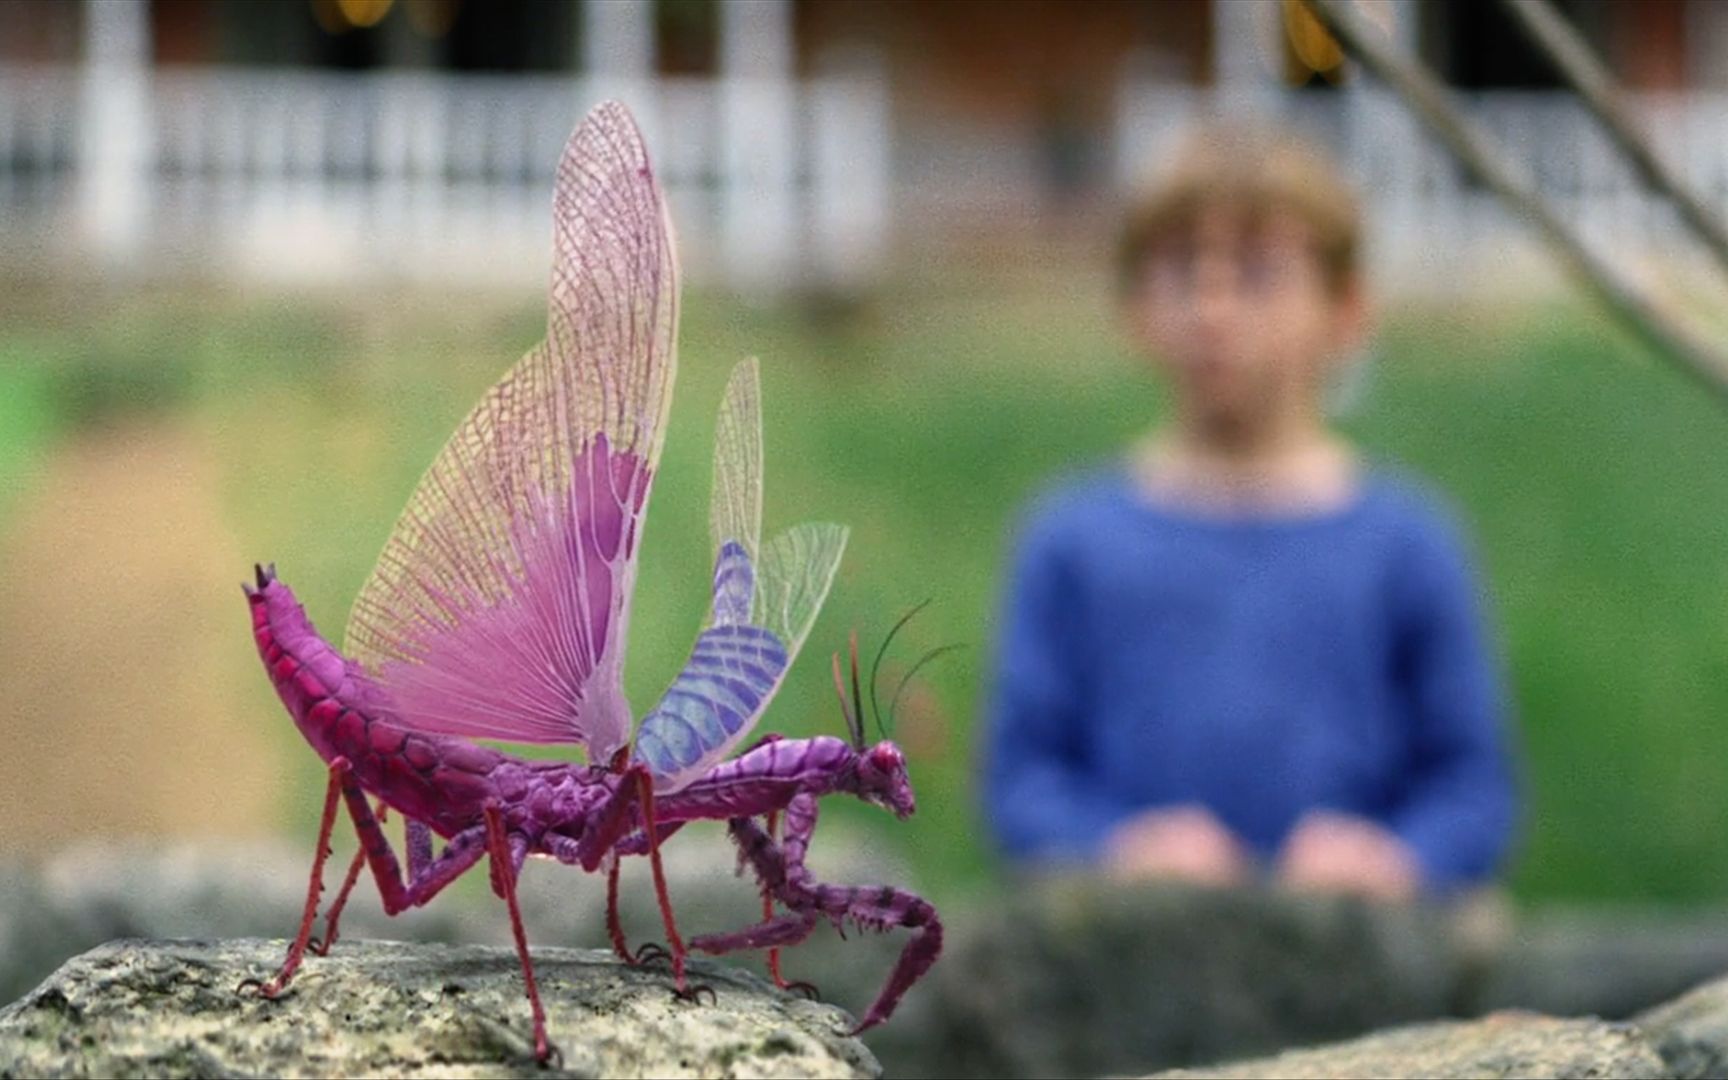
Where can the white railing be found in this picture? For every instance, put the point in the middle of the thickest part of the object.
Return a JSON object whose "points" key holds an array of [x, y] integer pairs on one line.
{"points": [[775, 184], [431, 176], [1432, 228]]}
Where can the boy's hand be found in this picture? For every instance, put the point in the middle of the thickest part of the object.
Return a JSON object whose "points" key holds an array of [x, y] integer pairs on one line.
{"points": [[1333, 852], [1184, 842]]}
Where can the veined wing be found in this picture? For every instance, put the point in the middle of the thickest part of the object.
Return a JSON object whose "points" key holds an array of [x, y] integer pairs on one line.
{"points": [[764, 603], [735, 508], [499, 606]]}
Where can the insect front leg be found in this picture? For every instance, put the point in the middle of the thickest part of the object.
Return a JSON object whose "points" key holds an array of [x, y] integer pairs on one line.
{"points": [[773, 931], [773, 863], [800, 826], [781, 868], [882, 908]]}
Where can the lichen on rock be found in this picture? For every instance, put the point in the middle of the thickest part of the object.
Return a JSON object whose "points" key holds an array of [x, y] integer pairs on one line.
{"points": [[146, 1008], [1506, 1044]]}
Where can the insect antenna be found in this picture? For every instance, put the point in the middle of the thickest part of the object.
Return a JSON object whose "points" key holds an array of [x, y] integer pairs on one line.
{"points": [[876, 664], [857, 698], [854, 724], [906, 680]]}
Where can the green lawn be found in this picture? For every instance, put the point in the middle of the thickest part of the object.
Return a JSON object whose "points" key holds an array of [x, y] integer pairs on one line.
{"points": [[1596, 483]]}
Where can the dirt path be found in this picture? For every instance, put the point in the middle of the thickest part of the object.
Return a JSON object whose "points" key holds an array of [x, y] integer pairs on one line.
{"points": [[121, 633]]}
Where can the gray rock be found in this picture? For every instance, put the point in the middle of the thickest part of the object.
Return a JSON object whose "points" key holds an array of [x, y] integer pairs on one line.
{"points": [[139, 1008], [1691, 1032], [1604, 962], [96, 892], [1076, 979], [1062, 978], [1501, 1045], [35, 934]]}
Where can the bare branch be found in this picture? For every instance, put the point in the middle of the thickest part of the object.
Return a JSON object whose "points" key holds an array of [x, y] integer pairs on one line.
{"points": [[1567, 50], [1482, 155]]}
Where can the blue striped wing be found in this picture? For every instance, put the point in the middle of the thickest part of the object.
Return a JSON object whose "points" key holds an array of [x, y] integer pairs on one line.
{"points": [[713, 701], [724, 686]]}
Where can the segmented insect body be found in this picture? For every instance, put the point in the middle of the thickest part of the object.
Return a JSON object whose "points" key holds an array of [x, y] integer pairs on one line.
{"points": [[500, 604]]}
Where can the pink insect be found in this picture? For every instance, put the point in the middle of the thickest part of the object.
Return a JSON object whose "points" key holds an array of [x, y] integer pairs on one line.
{"points": [[499, 607]]}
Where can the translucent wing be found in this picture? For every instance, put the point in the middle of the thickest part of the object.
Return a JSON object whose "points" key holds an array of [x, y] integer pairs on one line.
{"points": [[764, 603], [499, 605], [735, 510]]}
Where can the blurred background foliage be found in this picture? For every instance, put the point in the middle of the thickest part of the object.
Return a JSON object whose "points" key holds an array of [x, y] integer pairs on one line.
{"points": [[1592, 479]]}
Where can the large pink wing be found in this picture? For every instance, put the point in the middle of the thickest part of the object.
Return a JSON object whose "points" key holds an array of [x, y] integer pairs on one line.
{"points": [[499, 606]]}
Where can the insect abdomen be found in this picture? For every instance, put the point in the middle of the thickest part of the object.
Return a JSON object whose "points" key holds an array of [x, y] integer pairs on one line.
{"points": [[442, 781]]}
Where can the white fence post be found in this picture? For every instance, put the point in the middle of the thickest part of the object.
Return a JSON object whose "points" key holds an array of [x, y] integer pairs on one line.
{"points": [[850, 182], [618, 58], [1242, 32], [759, 211], [115, 140], [1388, 151], [618, 39]]}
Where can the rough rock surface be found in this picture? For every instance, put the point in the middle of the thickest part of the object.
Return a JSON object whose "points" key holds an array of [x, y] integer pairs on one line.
{"points": [[1691, 1032], [138, 1008], [1069, 979], [1072, 979], [1611, 962], [1502, 1045], [54, 909]]}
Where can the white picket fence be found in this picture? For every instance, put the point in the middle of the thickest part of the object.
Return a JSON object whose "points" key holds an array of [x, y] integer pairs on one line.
{"points": [[320, 175], [1431, 227], [775, 184]]}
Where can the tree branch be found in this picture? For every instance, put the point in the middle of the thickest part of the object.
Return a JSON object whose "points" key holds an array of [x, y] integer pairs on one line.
{"points": [[1566, 49], [1424, 95]]}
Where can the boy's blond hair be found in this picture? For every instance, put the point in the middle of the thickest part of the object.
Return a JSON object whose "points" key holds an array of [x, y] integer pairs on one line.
{"points": [[1254, 172]]}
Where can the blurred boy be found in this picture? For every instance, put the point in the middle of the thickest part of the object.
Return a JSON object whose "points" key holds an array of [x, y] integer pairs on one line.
{"points": [[1241, 649]]}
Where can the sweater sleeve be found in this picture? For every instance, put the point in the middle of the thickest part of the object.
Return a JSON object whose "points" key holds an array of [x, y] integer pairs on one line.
{"points": [[1042, 798], [1458, 809]]}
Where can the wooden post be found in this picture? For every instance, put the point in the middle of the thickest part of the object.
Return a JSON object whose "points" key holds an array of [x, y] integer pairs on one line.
{"points": [[1566, 49], [1424, 94]]}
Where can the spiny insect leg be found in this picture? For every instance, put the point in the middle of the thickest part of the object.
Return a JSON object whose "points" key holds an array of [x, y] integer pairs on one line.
{"points": [[297, 951], [504, 865], [881, 909], [321, 945], [419, 858], [770, 862], [875, 908], [614, 924], [427, 881], [645, 794], [789, 929], [768, 914]]}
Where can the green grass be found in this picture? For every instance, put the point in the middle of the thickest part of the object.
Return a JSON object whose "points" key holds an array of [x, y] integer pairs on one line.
{"points": [[28, 418], [1594, 480]]}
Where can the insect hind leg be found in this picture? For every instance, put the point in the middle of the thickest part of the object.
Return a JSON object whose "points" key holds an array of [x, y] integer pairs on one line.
{"points": [[428, 876], [419, 844], [425, 880], [277, 984]]}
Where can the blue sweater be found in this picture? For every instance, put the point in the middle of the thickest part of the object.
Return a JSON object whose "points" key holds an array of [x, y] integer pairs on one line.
{"points": [[1262, 667]]}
